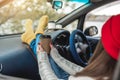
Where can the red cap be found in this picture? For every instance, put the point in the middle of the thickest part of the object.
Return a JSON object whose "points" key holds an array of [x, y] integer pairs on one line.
{"points": [[111, 36]]}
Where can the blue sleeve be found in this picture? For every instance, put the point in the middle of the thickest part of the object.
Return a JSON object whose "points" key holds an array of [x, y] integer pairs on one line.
{"points": [[60, 73], [34, 43]]}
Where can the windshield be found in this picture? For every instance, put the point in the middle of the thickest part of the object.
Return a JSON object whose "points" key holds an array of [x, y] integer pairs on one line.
{"points": [[13, 13]]}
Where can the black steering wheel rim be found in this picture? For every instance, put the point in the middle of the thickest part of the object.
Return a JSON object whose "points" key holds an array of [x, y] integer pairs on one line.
{"points": [[73, 51]]}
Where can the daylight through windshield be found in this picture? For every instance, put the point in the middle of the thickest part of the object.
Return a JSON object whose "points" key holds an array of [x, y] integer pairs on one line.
{"points": [[14, 13]]}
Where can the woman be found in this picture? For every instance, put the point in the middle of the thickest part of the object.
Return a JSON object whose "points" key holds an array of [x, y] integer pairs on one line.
{"points": [[102, 63]]}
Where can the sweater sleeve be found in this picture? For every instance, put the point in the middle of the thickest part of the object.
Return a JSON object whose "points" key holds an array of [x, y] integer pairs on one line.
{"points": [[66, 65], [45, 69], [81, 78]]}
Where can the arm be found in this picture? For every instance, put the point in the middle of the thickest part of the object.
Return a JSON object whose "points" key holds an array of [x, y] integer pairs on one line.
{"points": [[81, 78], [45, 70], [66, 65]]}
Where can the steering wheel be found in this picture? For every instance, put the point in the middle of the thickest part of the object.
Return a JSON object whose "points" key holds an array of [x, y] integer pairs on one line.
{"points": [[80, 48]]}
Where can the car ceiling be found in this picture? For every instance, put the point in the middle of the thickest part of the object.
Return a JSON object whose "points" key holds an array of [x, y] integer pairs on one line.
{"points": [[82, 11]]}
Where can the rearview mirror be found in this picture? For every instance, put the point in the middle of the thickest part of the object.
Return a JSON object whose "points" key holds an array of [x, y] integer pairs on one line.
{"points": [[91, 31], [57, 4]]}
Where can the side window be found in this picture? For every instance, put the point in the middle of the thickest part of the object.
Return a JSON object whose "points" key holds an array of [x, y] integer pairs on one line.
{"points": [[72, 26], [96, 18]]}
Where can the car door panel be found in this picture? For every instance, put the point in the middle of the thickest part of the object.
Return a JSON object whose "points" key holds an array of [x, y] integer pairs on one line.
{"points": [[16, 59]]}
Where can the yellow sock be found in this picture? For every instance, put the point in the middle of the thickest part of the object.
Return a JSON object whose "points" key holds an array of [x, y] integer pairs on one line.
{"points": [[29, 35], [42, 25]]}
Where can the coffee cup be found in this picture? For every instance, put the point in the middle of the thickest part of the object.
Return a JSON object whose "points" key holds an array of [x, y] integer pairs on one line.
{"points": [[45, 41]]}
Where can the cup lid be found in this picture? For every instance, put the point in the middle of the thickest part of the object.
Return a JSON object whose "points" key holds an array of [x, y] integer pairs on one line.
{"points": [[45, 36]]}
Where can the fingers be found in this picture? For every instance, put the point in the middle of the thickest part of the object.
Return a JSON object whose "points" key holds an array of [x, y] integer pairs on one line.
{"points": [[39, 48], [51, 46]]}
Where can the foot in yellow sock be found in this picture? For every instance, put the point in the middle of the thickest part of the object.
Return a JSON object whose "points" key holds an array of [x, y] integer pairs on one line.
{"points": [[29, 35], [42, 25]]}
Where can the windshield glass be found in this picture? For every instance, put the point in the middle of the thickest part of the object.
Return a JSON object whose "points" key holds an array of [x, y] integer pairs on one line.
{"points": [[13, 13]]}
